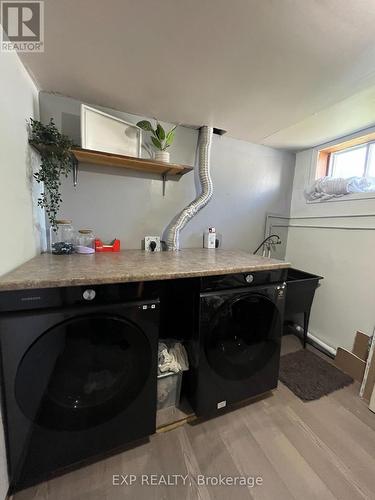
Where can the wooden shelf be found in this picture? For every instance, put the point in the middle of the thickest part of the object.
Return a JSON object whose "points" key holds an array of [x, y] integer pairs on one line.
{"points": [[129, 162], [166, 170]]}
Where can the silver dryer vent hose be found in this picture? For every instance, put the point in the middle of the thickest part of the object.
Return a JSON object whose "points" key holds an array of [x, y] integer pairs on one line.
{"points": [[173, 231]]}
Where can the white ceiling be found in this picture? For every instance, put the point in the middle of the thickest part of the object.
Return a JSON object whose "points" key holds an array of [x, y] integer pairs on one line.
{"points": [[267, 71]]}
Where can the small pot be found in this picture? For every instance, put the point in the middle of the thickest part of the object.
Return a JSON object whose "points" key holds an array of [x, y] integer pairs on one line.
{"points": [[161, 156]]}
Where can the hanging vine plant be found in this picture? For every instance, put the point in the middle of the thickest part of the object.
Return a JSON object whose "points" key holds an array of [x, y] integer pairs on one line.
{"points": [[56, 161]]}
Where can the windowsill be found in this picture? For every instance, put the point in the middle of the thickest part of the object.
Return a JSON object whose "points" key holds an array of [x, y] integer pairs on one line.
{"points": [[345, 197]]}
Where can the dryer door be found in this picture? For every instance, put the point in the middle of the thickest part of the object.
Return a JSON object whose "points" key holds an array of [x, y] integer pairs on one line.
{"points": [[83, 371], [243, 332]]}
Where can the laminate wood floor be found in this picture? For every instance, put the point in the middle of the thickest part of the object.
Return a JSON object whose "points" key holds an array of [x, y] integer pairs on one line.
{"points": [[322, 450]]}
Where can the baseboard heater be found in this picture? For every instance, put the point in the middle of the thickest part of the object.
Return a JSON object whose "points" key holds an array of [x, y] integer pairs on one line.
{"points": [[315, 342]]}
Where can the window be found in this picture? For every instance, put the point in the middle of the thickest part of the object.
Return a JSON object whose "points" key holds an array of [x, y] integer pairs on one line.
{"points": [[344, 170], [353, 158], [358, 161]]}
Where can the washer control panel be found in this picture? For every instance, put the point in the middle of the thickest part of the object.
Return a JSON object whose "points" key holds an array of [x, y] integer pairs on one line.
{"points": [[148, 306], [281, 290]]}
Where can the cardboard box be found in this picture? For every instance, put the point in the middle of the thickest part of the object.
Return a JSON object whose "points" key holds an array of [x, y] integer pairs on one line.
{"points": [[361, 345], [350, 363], [354, 362]]}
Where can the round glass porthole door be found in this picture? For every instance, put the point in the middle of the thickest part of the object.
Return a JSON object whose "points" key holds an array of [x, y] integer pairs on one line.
{"points": [[243, 335], [83, 372]]}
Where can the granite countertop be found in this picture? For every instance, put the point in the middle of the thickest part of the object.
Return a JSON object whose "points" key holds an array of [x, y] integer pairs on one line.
{"points": [[48, 271]]}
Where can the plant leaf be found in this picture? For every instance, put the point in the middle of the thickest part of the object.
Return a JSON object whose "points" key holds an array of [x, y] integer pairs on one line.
{"points": [[170, 137], [160, 132], [56, 160], [145, 125], [157, 143]]}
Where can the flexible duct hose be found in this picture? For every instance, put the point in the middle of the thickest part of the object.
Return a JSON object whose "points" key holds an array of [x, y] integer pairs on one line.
{"points": [[173, 231]]}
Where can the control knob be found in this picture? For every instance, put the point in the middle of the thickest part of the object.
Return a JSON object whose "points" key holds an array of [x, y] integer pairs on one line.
{"points": [[89, 294]]}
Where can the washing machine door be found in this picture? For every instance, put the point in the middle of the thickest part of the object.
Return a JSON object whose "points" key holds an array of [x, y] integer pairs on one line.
{"points": [[242, 333], [83, 372]]}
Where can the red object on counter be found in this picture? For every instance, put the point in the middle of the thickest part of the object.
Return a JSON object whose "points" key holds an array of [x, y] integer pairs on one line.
{"points": [[114, 246]]}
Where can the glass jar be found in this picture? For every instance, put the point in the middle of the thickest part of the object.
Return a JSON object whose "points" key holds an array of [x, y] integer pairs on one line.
{"points": [[85, 241], [62, 238]]}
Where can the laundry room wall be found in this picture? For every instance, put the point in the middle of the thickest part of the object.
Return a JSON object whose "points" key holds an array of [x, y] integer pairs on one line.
{"points": [[249, 180], [339, 247], [19, 221], [19, 226]]}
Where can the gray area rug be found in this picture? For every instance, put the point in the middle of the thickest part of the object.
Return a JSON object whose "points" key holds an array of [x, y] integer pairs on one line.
{"points": [[311, 377]]}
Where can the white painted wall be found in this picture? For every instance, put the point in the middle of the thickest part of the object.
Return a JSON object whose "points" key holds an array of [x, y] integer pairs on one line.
{"points": [[249, 180], [345, 257], [19, 234], [18, 102]]}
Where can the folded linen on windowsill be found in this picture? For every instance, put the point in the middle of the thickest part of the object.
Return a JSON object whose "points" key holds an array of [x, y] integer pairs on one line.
{"points": [[334, 187]]}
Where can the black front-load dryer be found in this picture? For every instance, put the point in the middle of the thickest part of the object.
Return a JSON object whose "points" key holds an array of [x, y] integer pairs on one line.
{"points": [[79, 372], [235, 351]]}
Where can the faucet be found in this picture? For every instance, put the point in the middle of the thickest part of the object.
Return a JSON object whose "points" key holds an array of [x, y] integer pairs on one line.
{"points": [[269, 243]]}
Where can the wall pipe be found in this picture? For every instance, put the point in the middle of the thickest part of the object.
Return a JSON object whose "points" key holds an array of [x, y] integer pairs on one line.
{"points": [[347, 216], [172, 237], [354, 228], [270, 225]]}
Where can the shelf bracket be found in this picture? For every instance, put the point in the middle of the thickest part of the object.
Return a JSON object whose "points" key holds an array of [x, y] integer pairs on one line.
{"points": [[164, 177]]}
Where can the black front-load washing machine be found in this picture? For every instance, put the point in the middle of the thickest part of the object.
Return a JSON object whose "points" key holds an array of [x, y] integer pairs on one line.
{"points": [[235, 349], [79, 370]]}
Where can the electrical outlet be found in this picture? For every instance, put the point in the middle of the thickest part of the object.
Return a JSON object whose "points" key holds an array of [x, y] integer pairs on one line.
{"points": [[152, 243]]}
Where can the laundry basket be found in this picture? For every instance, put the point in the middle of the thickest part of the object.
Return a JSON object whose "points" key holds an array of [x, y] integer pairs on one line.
{"points": [[169, 389]]}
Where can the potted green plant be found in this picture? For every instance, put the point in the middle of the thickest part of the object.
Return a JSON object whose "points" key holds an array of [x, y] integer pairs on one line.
{"points": [[56, 160], [160, 139]]}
